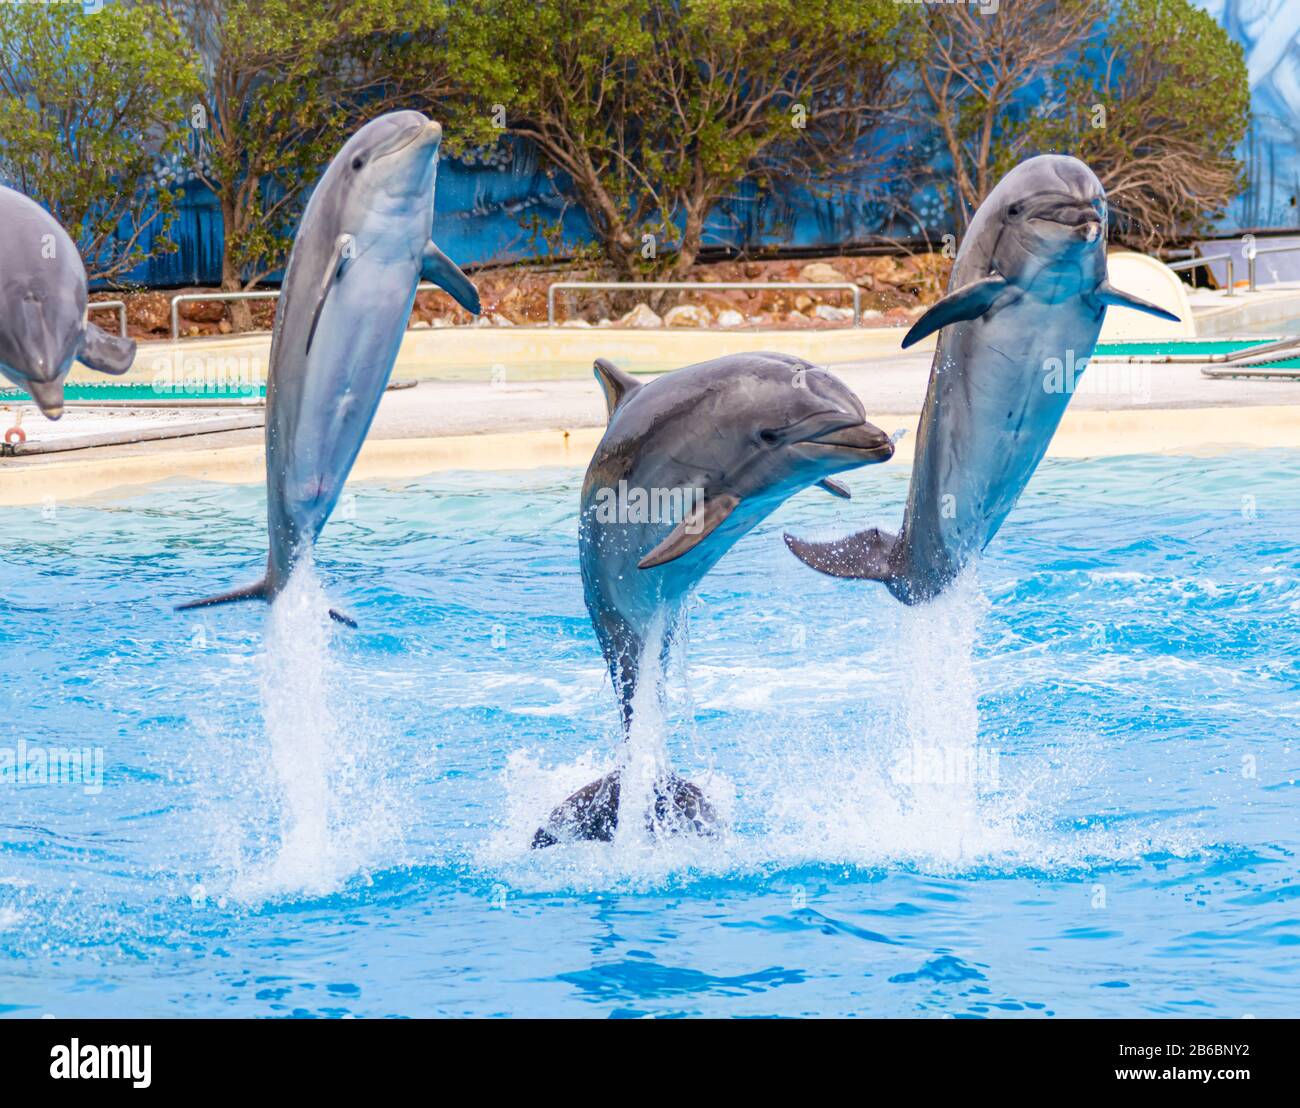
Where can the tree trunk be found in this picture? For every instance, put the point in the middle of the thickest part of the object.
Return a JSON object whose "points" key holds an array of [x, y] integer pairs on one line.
{"points": [[241, 317]]}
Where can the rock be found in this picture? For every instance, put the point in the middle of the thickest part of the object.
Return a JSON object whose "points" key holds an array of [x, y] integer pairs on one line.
{"points": [[202, 311], [584, 323], [440, 321], [641, 316], [753, 270], [224, 327], [823, 273], [687, 315], [419, 323], [832, 314], [796, 317], [803, 302], [730, 318], [502, 321], [150, 311], [604, 321]]}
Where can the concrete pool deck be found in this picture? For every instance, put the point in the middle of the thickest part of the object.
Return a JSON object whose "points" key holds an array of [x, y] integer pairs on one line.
{"points": [[458, 424]]}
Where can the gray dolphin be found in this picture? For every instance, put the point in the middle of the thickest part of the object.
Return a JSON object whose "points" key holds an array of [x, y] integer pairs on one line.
{"points": [[1029, 293], [689, 463], [43, 325], [361, 249]]}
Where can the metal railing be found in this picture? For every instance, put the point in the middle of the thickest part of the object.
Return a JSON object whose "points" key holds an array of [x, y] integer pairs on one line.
{"points": [[201, 297], [1192, 263], [1253, 253], [844, 286], [105, 305]]}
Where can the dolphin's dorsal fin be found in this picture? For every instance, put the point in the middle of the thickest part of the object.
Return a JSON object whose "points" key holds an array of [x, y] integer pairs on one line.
{"points": [[104, 352], [334, 268], [694, 529], [1112, 297], [968, 302], [614, 383], [436, 267]]}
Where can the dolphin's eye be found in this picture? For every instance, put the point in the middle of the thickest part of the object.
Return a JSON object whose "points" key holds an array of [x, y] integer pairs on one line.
{"points": [[358, 162], [1014, 210], [770, 437]]}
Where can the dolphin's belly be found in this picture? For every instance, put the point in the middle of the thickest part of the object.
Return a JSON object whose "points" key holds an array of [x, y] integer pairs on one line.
{"points": [[323, 409], [994, 409]]}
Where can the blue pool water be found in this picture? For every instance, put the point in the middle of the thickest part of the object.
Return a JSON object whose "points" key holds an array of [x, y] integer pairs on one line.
{"points": [[1069, 788]]}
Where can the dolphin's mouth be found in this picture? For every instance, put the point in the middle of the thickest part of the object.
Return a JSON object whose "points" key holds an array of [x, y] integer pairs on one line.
{"points": [[863, 441], [431, 132], [1080, 218]]}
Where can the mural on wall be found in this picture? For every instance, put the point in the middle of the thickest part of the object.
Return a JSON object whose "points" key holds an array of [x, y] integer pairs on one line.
{"points": [[1269, 31]]}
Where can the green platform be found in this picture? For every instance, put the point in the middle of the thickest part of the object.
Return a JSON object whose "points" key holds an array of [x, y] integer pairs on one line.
{"points": [[134, 392]]}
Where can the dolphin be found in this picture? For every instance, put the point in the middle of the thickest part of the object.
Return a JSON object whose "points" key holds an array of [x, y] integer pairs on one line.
{"points": [[362, 247], [1027, 297], [690, 462], [43, 324]]}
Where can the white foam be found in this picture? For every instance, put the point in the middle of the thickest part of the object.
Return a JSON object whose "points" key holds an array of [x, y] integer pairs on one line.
{"points": [[912, 783], [312, 801]]}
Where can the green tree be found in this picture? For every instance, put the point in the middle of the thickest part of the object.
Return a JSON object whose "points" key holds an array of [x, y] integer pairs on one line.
{"points": [[658, 109], [90, 105], [978, 70], [285, 81], [1157, 111]]}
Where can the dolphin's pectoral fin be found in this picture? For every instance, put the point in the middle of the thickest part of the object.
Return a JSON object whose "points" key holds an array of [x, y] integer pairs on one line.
{"points": [[104, 352], [1112, 297], [864, 556], [258, 591], [342, 617], [694, 529], [334, 269], [614, 383], [591, 814], [435, 266], [835, 488], [968, 302]]}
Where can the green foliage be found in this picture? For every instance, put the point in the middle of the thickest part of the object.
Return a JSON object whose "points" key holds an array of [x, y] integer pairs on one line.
{"points": [[658, 109], [285, 83], [1158, 110], [89, 106]]}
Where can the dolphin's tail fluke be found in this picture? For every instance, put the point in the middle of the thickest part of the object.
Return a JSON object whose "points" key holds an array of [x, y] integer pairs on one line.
{"points": [[258, 591], [864, 556]]}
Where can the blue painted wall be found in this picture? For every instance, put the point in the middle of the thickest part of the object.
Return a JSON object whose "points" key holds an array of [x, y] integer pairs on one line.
{"points": [[487, 202]]}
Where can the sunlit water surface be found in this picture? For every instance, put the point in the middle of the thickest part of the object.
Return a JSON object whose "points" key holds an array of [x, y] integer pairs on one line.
{"points": [[1068, 788]]}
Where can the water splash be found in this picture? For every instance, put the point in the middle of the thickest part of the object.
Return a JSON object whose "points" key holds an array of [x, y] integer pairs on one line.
{"points": [[312, 801], [908, 780]]}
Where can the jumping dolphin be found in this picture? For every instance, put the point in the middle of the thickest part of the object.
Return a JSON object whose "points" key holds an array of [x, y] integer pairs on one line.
{"points": [[689, 463], [43, 324], [1029, 293], [360, 251]]}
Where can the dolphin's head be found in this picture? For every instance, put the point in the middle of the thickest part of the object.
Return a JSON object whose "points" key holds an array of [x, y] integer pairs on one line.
{"points": [[1048, 211], [796, 425], [44, 328], [392, 160]]}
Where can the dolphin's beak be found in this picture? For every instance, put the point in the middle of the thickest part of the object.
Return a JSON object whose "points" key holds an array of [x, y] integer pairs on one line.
{"points": [[863, 441], [48, 396]]}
